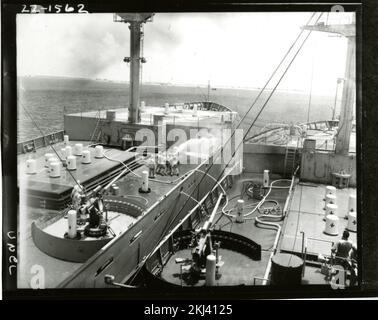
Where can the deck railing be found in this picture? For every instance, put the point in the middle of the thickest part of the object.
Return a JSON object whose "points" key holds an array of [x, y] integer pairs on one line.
{"points": [[40, 142]]}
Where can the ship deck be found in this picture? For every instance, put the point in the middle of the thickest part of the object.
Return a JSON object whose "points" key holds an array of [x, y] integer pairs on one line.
{"points": [[174, 116], [41, 182], [238, 269], [31, 258], [305, 214], [325, 139]]}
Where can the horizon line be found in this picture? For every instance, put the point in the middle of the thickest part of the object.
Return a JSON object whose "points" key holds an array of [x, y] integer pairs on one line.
{"points": [[162, 83]]}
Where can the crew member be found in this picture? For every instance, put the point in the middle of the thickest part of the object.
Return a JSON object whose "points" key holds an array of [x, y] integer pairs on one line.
{"points": [[77, 194], [175, 165], [342, 248], [160, 169], [168, 166]]}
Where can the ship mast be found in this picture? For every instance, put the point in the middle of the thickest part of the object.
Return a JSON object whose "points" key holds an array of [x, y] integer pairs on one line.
{"points": [[348, 95], [135, 20]]}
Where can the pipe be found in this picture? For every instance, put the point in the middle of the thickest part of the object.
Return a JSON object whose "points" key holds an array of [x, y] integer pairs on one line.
{"points": [[264, 198], [109, 279], [276, 225], [259, 203], [214, 211], [269, 266]]}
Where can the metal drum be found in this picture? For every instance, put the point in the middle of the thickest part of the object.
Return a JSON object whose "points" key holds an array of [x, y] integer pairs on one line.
{"points": [[330, 199], [332, 225], [331, 209], [54, 170], [330, 190], [71, 163], [78, 149], [99, 152], [352, 221], [86, 159], [47, 157], [31, 166], [286, 269], [352, 203]]}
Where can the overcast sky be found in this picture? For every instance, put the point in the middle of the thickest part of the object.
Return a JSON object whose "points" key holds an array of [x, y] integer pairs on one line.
{"points": [[229, 49]]}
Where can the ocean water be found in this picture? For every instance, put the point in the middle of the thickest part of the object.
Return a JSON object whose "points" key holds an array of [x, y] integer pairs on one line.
{"points": [[42, 102]]}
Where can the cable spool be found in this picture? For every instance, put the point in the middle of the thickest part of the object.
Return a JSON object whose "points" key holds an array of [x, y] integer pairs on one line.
{"points": [[31, 166], [99, 152], [78, 149], [86, 158], [332, 225], [54, 171], [71, 163], [352, 221], [47, 157]]}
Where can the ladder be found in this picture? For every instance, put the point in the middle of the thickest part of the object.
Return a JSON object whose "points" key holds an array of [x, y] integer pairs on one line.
{"points": [[291, 154], [94, 139]]}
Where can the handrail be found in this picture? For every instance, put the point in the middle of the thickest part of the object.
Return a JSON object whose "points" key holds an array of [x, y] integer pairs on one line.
{"points": [[41, 137], [21, 144], [285, 209], [268, 268]]}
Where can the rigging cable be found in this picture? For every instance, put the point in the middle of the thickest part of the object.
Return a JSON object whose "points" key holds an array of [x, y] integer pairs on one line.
{"points": [[142, 56], [209, 167], [297, 226], [311, 81], [262, 108], [245, 115]]}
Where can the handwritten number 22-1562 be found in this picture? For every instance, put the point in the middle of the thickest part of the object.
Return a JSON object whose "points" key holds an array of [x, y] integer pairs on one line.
{"points": [[33, 8]]}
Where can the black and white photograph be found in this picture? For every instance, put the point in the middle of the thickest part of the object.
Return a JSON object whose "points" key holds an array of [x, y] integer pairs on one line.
{"points": [[182, 150]]}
